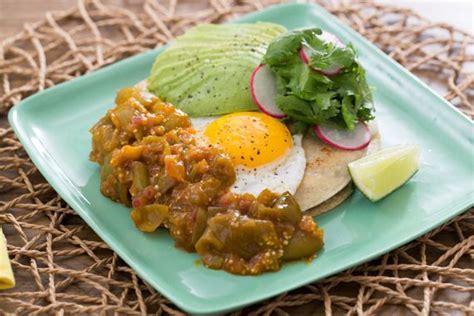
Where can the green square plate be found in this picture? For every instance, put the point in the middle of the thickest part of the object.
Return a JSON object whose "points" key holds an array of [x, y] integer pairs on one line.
{"points": [[53, 127]]}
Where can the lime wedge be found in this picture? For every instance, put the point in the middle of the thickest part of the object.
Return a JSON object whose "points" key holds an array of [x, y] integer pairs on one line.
{"points": [[382, 172]]}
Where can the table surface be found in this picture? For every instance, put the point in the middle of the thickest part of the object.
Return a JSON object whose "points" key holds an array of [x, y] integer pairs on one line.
{"points": [[15, 13]]}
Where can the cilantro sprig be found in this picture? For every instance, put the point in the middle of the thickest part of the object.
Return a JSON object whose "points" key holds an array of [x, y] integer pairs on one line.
{"points": [[307, 95]]}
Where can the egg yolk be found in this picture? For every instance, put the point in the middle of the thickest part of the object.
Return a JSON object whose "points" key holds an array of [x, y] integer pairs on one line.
{"points": [[251, 139]]}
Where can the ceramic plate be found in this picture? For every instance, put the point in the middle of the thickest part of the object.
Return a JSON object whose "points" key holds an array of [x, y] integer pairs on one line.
{"points": [[53, 127]]}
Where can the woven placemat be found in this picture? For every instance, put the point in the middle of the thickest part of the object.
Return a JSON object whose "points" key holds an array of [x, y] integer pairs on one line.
{"points": [[62, 267]]}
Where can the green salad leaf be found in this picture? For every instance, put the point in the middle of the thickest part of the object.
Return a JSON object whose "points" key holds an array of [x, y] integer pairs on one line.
{"points": [[307, 95]]}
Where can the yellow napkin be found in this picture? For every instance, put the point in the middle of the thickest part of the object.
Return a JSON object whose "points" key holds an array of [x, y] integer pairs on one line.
{"points": [[7, 280]]}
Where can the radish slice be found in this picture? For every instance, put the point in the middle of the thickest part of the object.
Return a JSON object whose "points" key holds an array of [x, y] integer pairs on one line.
{"points": [[264, 89], [332, 70], [357, 139], [304, 54], [329, 37]]}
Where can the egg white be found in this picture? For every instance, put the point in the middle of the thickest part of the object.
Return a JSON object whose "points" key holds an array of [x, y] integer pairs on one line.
{"points": [[278, 176]]}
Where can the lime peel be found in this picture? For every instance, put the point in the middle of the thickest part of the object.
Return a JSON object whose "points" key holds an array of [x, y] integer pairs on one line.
{"points": [[382, 172]]}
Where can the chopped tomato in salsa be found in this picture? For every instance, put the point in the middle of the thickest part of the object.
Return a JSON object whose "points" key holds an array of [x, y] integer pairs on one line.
{"points": [[150, 160]]}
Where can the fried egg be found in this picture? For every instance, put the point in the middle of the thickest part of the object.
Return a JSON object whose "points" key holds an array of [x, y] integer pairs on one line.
{"points": [[264, 153]]}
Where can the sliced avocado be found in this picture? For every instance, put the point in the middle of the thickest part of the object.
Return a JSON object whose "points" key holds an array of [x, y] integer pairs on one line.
{"points": [[207, 70]]}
